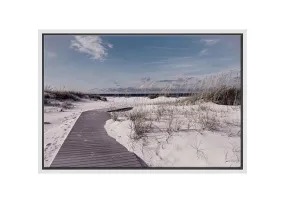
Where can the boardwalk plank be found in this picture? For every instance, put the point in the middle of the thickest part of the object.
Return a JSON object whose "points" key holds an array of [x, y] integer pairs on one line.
{"points": [[97, 159], [89, 145]]}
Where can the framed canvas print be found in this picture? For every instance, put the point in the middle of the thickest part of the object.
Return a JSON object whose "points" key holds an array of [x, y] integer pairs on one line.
{"points": [[142, 100]]}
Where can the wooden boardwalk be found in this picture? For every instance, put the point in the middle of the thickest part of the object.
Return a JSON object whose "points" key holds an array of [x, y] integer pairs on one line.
{"points": [[89, 145]]}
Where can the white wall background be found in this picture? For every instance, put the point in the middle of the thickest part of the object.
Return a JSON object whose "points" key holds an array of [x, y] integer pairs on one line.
{"points": [[20, 181]]}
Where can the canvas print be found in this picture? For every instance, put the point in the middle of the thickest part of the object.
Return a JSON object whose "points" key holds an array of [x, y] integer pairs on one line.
{"points": [[142, 101]]}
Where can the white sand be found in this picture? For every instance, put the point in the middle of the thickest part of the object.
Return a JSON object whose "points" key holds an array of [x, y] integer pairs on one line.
{"points": [[185, 148]]}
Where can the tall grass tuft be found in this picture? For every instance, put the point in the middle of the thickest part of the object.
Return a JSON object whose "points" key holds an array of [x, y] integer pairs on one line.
{"points": [[140, 125]]}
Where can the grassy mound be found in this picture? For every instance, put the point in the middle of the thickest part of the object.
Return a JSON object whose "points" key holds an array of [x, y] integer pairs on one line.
{"points": [[56, 95], [222, 96], [225, 96], [63, 95]]}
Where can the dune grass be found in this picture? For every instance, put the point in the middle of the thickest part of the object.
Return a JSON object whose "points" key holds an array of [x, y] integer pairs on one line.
{"points": [[221, 89], [64, 95]]}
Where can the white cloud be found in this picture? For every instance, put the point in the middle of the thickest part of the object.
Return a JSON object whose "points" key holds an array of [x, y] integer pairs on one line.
{"points": [[91, 45], [203, 52], [209, 42], [51, 54]]}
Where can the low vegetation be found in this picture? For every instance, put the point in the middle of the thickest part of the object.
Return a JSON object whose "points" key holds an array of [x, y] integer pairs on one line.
{"points": [[153, 96], [200, 123], [54, 97], [114, 116], [67, 105], [140, 127], [223, 95], [140, 124]]}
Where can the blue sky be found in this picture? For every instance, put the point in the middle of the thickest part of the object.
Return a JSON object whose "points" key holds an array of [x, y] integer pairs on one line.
{"points": [[85, 62]]}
